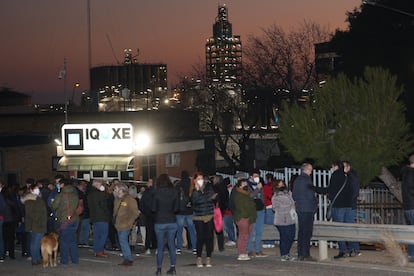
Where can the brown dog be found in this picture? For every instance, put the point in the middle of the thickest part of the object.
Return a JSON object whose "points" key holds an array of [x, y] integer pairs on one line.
{"points": [[49, 246]]}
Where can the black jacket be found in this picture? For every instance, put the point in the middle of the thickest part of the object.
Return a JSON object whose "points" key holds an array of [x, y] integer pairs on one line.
{"points": [[345, 198], [100, 209], [202, 201], [165, 205], [407, 188]]}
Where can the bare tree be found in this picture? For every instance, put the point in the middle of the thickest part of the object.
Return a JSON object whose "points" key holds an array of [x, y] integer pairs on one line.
{"points": [[283, 60]]}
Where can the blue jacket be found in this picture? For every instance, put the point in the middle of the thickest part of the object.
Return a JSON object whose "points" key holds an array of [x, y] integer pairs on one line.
{"points": [[304, 194]]}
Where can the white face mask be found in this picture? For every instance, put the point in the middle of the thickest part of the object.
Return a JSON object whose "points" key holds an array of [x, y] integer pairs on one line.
{"points": [[200, 182], [102, 188], [36, 191], [256, 180]]}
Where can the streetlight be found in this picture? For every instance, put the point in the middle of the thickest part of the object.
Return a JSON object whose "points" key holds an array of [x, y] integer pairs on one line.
{"points": [[76, 85], [143, 142]]}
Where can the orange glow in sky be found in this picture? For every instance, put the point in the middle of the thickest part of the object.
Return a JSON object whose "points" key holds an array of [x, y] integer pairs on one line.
{"points": [[37, 35]]}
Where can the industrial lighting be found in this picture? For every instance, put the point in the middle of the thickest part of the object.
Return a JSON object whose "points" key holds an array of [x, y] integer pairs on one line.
{"points": [[58, 142]]}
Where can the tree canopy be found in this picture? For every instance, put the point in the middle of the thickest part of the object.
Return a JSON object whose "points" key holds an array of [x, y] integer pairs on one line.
{"points": [[380, 34], [359, 119]]}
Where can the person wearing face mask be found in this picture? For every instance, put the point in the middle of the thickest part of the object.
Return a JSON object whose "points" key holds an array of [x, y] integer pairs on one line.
{"points": [[100, 214], [255, 187], [244, 215], [202, 197], [58, 186], [35, 220]]}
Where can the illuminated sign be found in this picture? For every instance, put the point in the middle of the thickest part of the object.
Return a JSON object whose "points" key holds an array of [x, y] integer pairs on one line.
{"points": [[97, 139]]}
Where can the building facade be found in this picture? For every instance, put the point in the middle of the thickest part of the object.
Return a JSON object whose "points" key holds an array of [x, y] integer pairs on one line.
{"points": [[223, 53]]}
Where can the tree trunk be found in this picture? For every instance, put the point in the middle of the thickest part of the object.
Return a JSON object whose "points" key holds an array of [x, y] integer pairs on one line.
{"points": [[393, 185]]}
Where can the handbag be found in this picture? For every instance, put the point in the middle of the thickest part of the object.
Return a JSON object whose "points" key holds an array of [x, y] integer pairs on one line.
{"points": [[218, 219], [329, 208]]}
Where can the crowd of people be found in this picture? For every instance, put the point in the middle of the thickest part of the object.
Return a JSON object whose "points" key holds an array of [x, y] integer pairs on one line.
{"points": [[172, 216]]}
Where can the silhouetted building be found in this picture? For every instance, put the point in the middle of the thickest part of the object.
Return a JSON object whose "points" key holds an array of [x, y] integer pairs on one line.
{"points": [[223, 53], [130, 86]]}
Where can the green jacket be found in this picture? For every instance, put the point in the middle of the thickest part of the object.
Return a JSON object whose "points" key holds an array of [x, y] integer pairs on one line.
{"points": [[244, 206], [65, 204], [35, 214]]}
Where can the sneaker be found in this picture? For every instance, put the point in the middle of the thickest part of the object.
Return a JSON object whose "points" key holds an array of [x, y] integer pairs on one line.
{"points": [[1, 259], [230, 243], [195, 252], [148, 252], [354, 253], [199, 262], [243, 257], [178, 251], [340, 255], [261, 255], [265, 245], [208, 262], [287, 257]]}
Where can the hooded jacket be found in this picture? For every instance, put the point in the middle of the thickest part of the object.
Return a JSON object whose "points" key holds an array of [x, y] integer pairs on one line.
{"points": [[35, 213]]}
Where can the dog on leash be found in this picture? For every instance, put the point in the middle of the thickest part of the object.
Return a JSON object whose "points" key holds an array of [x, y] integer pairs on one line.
{"points": [[49, 247]]}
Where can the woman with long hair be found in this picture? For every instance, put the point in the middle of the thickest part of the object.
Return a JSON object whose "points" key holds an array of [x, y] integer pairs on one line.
{"points": [[202, 196], [165, 206]]}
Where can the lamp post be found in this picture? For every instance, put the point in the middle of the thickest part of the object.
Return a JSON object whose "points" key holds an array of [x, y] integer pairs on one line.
{"points": [[72, 100]]}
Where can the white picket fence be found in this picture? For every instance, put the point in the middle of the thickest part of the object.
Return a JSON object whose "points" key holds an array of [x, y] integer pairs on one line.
{"points": [[375, 205]]}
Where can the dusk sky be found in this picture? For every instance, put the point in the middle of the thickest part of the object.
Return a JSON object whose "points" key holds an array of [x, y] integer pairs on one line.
{"points": [[36, 35]]}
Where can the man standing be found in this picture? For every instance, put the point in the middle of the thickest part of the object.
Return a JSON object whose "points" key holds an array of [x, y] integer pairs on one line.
{"points": [[340, 192], [407, 189], [100, 214], [124, 215], [306, 203], [256, 192], [355, 183]]}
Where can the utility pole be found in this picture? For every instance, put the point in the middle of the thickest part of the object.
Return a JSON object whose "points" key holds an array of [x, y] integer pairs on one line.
{"points": [[62, 74]]}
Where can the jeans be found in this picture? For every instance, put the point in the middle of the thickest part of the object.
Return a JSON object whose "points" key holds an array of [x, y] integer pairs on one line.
{"points": [[68, 245], [84, 231], [269, 216], [244, 232], [169, 230], [287, 236], [35, 239], [124, 243], [205, 236], [229, 227], [305, 221], [1, 239], [409, 215], [181, 221], [344, 215], [258, 231], [100, 234]]}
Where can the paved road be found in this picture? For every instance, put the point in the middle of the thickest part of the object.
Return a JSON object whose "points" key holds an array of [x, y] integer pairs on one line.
{"points": [[224, 263]]}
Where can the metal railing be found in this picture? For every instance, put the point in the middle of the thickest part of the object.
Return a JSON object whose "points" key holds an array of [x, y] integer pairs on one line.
{"points": [[375, 206]]}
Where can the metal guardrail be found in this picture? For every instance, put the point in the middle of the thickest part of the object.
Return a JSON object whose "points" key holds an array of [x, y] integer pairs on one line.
{"points": [[324, 232]]}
